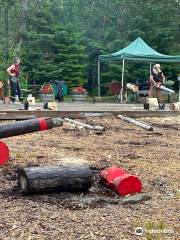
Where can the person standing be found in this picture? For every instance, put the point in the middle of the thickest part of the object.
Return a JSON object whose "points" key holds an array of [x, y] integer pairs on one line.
{"points": [[156, 80], [14, 82]]}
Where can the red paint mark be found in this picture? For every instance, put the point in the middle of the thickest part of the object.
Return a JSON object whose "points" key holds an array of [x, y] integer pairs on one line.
{"points": [[111, 173], [127, 184], [120, 181], [43, 124], [4, 153]]}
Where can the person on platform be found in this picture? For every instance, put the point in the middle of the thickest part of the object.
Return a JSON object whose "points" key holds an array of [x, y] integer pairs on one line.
{"points": [[13, 82], [156, 80]]}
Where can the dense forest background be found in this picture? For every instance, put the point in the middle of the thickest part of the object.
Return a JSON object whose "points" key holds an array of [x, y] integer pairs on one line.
{"points": [[61, 39]]}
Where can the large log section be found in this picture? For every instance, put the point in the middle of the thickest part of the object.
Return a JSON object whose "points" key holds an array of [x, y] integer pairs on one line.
{"points": [[54, 179], [29, 126]]}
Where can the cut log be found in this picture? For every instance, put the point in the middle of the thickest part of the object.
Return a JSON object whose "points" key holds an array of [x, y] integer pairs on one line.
{"points": [[52, 106], [118, 180], [132, 87], [135, 122], [153, 103], [96, 128], [174, 106], [4, 153], [29, 126], [54, 179]]}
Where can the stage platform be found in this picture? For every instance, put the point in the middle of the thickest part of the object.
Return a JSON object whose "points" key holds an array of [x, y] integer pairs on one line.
{"points": [[81, 110]]}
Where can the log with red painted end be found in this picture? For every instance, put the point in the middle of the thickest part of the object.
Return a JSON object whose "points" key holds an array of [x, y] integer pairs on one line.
{"points": [[29, 126], [118, 180], [4, 153], [126, 184], [109, 174], [54, 179]]}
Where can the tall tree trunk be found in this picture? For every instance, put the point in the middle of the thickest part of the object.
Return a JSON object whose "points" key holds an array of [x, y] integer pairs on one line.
{"points": [[23, 24]]}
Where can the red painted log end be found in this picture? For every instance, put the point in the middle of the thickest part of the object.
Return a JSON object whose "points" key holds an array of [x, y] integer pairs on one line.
{"points": [[109, 174], [127, 184], [4, 153], [123, 183]]}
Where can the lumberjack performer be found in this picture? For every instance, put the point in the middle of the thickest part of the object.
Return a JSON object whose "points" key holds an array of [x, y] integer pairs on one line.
{"points": [[156, 79], [14, 82]]}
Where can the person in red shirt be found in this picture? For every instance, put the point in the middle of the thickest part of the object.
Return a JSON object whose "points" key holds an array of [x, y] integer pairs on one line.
{"points": [[13, 81]]}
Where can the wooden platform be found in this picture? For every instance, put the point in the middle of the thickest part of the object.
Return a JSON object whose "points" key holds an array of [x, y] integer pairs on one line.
{"points": [[21, 114], [80, 110]]}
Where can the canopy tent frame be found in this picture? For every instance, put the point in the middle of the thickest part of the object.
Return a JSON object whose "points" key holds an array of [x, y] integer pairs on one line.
{"points": [[122, 79], [137, 50]]}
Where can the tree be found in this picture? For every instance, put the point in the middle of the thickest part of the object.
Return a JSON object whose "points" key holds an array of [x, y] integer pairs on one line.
{"points": [[67, 37], [52, 52]]}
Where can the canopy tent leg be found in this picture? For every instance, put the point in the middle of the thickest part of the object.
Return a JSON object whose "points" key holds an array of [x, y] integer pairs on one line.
{"points": [[99, 80], [122, 83], [150, 67], [179, 93]]}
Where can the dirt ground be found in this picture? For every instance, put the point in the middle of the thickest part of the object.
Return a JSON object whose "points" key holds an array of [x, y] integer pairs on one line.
{"points": [[98, 214]]}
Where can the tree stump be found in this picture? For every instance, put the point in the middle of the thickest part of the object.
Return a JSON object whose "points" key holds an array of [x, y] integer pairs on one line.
{"points": [[54, 179]]}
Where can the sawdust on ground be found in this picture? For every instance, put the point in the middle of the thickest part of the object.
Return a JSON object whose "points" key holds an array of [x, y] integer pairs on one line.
{"points": [[153, 156]]}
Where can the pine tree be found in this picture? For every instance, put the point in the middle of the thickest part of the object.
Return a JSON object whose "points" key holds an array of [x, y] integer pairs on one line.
{"points": [[52, 51]]}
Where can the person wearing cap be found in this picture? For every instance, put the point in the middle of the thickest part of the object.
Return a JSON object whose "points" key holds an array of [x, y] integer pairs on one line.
{"points": [[14, 82], [156, 80]]}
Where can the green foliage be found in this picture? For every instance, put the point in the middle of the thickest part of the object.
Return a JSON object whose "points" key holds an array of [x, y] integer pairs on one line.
{"points": [[53, 52], [59, 39]]}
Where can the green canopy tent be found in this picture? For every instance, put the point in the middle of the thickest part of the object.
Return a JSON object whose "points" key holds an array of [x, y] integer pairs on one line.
{"points": [[138, 51]]}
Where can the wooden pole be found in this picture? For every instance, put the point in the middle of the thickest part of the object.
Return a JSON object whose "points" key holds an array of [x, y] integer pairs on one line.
{"points": [[96, 128], [54, 179], [135, 122]]}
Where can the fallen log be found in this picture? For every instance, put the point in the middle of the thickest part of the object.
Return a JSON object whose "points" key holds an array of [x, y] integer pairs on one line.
{"points": [[54, 179], [29, 126], [135, 122], [96, 128], [4, 153], [121, 182]]}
